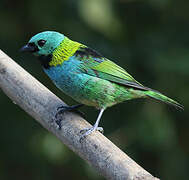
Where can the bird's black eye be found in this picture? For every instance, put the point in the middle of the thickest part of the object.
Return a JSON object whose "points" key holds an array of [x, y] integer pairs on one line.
{"points": [[41, 42]]}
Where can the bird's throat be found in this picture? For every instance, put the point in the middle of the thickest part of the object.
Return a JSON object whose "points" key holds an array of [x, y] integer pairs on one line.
{"points": [[45, 60]]}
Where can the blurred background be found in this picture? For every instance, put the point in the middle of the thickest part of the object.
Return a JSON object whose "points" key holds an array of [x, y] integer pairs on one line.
{"points": [[149, 39]]}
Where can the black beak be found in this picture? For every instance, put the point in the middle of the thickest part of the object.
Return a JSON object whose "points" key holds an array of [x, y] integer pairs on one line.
{"points": [[31, 47]]}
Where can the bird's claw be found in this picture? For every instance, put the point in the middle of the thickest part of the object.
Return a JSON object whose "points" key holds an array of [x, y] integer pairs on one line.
{"points": [[87, 131], [61, 110], [55, 122]]}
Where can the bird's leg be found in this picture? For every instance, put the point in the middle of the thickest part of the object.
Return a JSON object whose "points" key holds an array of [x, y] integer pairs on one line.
{"points": [[62, 109], [88, 131]]}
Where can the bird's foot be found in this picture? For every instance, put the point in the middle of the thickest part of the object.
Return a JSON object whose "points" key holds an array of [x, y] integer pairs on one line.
{"points": [[63, 109], [87, 131]]}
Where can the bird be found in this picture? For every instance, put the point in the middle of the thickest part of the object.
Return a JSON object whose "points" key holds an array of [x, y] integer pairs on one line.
{"points": [[85, 75]]}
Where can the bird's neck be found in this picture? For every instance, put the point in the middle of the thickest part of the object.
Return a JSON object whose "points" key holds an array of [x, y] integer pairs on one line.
{"points": [[64, 51]]}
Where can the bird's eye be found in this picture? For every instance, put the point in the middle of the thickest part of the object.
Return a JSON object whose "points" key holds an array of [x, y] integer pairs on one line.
{"points": [[41, 42]]}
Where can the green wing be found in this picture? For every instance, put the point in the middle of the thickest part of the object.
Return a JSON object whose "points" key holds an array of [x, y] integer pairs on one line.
{"points": [[96, 65]]}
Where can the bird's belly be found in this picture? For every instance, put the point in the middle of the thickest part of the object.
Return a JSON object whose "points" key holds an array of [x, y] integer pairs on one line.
{"points": [[89, 90], [86, 89], [93, 91]]}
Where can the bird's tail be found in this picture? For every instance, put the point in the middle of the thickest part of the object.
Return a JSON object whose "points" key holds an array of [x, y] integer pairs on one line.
{"points": [[160, 97]]}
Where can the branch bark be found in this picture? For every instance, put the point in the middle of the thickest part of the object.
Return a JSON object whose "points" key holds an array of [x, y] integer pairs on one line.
{"points": [[41, 104]]}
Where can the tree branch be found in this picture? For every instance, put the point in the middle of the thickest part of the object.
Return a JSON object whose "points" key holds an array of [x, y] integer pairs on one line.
{"points": [[41, 104]]}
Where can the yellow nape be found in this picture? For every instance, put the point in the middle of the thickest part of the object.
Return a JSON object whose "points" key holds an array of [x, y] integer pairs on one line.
{"points": [[64, 51]]}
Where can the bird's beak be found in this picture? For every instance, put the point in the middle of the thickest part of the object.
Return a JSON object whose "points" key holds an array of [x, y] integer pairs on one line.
{"points": [[29, 48]]}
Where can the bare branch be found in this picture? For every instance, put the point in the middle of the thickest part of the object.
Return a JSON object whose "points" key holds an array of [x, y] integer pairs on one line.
{"points": [[41, 104]]}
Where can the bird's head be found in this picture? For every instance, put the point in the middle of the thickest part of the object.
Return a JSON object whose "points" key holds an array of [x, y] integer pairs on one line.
{"points": [[44, 43]]}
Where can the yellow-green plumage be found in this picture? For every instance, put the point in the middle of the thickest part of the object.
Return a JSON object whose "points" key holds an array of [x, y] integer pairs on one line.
{"points": [[87, 76], [64, 51]]}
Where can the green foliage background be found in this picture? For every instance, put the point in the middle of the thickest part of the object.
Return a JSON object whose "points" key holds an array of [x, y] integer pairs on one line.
{"points": [[148, 38]]}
